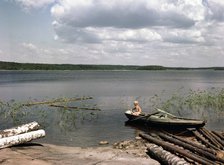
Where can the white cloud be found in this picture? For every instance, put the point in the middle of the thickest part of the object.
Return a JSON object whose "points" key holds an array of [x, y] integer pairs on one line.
{"points": [[183, 36], [98, 35], [216, 8], [30, 51], [29, 46], [130, 35], [164, 32], [150, 31], [118, 13], [94, 21], [34, 4]]}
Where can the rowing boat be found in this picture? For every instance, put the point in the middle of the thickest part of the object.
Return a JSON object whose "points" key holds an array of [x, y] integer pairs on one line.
{"points": [[163, 118]]}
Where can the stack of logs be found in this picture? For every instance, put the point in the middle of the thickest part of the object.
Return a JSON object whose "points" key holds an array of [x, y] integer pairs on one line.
{"points": [[206, 148], [20, 134]]}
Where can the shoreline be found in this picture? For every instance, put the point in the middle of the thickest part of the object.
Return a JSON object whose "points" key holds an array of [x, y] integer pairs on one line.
{"points": [[126, 152]]}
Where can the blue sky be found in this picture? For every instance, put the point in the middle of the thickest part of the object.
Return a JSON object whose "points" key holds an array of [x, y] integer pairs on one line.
{"points": [[186, 33]]}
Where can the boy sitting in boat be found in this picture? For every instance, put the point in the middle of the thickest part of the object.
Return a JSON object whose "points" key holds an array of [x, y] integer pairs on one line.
{"points": [[137, 109]]}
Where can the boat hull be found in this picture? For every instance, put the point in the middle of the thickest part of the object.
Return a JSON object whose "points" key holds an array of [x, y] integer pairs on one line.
{"points": [[164, 121]]}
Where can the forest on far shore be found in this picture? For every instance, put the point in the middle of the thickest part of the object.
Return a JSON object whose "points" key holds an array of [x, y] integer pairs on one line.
{"points": [[37, 66]]}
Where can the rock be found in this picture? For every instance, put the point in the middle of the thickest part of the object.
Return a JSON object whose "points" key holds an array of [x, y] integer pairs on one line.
{"points": [[138, 138], [48, 154], [103, 142]]}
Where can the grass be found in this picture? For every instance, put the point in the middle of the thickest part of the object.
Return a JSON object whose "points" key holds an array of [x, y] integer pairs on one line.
{"points": [[20, 112], [199, 103]]}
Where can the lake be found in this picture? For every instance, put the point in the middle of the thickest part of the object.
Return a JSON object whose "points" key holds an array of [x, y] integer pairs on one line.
{"points": [[113, 92]]}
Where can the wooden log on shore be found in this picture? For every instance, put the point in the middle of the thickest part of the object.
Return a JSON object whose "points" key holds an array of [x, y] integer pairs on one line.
{"points": [[203, 140], [219, 135], [22, 138], [192, 148], [165, 157], [175, 150], [19, 129], [209, 150], [220, 141], [205, 133]]}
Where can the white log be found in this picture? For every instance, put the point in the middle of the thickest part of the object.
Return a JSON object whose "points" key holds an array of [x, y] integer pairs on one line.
{"points": [[19, 129], [22, 138], [165, 156]]}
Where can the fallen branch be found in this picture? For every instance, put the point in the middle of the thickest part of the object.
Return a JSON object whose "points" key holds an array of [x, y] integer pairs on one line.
{"points": [[77, 108], [57, 101], [22, 138]]}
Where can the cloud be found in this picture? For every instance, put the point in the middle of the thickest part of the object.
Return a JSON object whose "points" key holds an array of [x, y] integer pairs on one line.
{"points": [[146, 32], [71, 34], [125, 13], [29, 46], [98, 20], [216, 8], [33, 4], [183, 36], [95, 21], [97, 35], [32, 51]]}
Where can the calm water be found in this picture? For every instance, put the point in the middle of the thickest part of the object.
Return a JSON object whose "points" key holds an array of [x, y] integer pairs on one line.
{"points": [[113, 92]]}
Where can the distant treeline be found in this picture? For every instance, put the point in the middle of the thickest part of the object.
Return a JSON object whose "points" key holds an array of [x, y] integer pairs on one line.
{"points": [[35, 66]]}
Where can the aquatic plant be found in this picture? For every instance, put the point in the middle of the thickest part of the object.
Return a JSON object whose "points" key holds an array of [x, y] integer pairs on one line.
{"points": [[200, 101], [19, 112]]}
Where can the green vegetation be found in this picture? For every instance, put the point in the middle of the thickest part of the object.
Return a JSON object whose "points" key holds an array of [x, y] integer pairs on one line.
{"points": [[201, 103], [152, 67], [66, 113], [34, 66]]}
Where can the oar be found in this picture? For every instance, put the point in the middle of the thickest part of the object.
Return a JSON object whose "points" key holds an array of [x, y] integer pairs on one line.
{"points": [[146, 116], [160, 110]]}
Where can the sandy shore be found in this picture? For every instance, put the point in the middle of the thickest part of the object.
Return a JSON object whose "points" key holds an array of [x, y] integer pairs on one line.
{"points": [[126, 152]]}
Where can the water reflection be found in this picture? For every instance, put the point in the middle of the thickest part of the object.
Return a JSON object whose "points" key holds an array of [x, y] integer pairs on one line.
{"points": [[143, 127]]}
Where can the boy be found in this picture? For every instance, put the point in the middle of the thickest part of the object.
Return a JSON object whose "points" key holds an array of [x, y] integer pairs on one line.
{"points": [[137, 109]]}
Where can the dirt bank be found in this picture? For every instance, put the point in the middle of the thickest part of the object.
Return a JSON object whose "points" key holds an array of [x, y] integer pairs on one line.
{"points": [[126, 152]]}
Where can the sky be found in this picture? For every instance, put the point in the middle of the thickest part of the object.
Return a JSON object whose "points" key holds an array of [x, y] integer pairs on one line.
{"points": [[174, 33]]}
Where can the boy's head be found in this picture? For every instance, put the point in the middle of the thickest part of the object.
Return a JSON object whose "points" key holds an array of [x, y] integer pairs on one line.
{"points": [[135, 102]]}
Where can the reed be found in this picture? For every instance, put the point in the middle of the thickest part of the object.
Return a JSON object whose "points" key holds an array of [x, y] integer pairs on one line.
{"points": [[202, 101], [63, 108]]}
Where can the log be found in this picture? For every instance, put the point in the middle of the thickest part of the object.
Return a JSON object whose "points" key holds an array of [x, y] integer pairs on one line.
{"points": [[191, 148], [216, 138], [19, 129], [218, 134], [22, 138], [212, 151], [203, 140], [205, 133], [175, 150], [164, 156]]}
